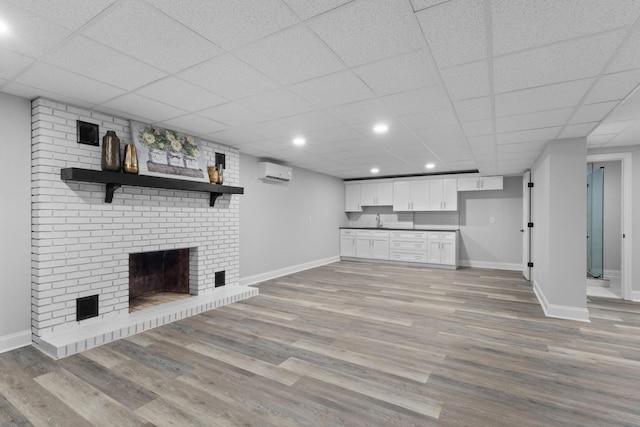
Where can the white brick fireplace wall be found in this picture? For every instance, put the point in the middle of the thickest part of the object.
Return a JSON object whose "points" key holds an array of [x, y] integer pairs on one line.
{"points": [[81, 245]]}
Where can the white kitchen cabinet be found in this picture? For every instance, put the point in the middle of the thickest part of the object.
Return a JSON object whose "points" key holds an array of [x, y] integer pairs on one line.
{"points": [[348, 243], [408, 246], [479, 183], [376, 193], [373, 244], [443, 194], [442, 248], [352, 198], [411, 195]]}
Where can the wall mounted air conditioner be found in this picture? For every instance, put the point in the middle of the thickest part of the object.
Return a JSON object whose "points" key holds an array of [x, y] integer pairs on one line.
{"points": [[273, 172]]}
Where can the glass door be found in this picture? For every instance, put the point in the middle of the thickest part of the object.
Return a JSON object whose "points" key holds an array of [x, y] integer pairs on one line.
{"points": [[595, 217]]}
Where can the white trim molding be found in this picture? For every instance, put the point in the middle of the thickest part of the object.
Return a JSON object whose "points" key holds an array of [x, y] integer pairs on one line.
{"points": [[13, 341], [560, 311], [491, 265], [257, 278]]}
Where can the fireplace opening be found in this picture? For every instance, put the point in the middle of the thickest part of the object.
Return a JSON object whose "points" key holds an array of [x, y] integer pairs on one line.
{"points": [[158, 277]]}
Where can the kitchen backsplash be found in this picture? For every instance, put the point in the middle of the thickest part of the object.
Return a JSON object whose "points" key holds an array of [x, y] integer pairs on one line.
{"points": [[409, 220]]}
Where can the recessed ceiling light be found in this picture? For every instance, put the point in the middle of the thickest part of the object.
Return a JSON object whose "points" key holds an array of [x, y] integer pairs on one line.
{"points": [[299, 141], [380, 128], [4, 28], [429, 166], [375, 170]]}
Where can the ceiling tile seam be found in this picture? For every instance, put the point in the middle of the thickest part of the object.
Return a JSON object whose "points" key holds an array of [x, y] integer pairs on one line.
{"points": [[488, 25], [605, 66]]}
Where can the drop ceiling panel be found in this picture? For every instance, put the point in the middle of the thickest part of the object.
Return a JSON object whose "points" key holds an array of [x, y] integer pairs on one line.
{"points": [[577, 130], [277, 103], [314, 120], [334, 89], [570, 60], [528, 135], [180, 94], [455, 31], [29, 92], [367, 31], [230, 24], [336, 134], [442, 117], [628, 56], [306, 9], [195, 125], [408, 71], [133, 104], [228, 77], [423, 4], [291, 56], [11, 63], [232, 114], [598, 141], [235, 136], [478, 128], [626, 111], [474, 109], [542, 119], [423, 100], [467, 81], [523, 24], [593, 112], [93, 60], [362, 111], [523, 148], [161, 42], [614, 86], [481, 141], [30, 35], [68, 84], [69, 13], [541, 98]]}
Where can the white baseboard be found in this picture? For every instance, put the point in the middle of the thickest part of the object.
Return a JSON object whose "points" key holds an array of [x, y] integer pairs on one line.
{"points": [[635, 296], [611, 274], [13, 341], [560, 311], [257, 278], [492, 265]]}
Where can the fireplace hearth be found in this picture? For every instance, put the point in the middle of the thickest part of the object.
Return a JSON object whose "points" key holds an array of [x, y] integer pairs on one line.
{"points": [[157, 277]]}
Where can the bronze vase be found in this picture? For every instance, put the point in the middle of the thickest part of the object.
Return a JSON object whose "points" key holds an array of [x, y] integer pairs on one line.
{"points": [[110, 152], [130, 164], [213, 174]]}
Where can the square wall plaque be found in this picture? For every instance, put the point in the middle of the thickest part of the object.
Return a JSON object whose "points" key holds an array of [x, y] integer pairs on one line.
{"points": [[88, 133]]}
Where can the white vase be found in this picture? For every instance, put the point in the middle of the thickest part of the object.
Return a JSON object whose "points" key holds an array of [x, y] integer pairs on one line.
{"points": [[158, 157], [191, 162], [175, 159]]}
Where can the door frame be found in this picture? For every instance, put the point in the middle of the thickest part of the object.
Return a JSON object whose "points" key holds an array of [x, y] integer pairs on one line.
{"points": [[627, 202], [526, 230]]}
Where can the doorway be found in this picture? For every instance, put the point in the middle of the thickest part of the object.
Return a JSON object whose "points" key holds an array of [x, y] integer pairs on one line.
{"points": [[608, 216]]}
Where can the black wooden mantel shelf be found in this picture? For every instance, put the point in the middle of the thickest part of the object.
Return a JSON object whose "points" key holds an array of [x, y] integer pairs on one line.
{"points": [[115, 180]]}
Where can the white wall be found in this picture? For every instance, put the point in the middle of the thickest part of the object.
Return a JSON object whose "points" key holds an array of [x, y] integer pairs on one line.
{"points": [[612, 236], [486, 244], [559, 217], [635, 206], [285, 227], [15, 222]]}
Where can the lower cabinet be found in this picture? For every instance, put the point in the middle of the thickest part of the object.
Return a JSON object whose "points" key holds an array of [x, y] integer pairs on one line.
{"points": [[426, 247], [442, 248]]}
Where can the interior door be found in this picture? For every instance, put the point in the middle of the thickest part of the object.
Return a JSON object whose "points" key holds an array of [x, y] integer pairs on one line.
{"points": [[526, 231]]}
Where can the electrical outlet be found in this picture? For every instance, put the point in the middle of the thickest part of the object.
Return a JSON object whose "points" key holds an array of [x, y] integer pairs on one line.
{"points": [[492, 220]]}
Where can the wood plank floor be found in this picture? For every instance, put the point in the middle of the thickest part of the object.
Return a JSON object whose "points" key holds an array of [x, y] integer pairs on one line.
{"points": [[350, 344]]}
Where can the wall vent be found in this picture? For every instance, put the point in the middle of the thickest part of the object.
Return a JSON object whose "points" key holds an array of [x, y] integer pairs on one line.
{"points": [[220, 278], [86, 307]]}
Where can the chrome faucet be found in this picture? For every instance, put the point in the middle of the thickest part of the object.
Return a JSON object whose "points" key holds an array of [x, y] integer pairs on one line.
{"points": [[378, 222]]}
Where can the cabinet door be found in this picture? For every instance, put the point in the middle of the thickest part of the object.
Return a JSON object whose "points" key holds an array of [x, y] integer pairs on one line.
{"points": [[368, 194], [352, 198], [402, 196], [491, 183], [433, 252], [380, 248], [348, 246], [436, 195], [420, 195], [450, 194], [448, 252], [363, 247], [385, 193]]}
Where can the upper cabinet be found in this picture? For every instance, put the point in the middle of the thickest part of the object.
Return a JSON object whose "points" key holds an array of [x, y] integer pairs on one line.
{"points": [[376, 193], [411, 195], [443, 194], [478, 183], [352, 197]]}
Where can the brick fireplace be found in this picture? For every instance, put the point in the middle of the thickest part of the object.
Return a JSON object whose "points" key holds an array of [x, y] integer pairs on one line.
{"points": [[81, 245]]}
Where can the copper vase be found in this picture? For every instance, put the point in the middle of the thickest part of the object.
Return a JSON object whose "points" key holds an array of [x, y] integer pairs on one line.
{"points": [[110, 152], [130, 164], [213, 174]]}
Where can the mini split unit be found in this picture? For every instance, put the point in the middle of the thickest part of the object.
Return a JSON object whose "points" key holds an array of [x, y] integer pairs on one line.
{"points": [[273, 172]]}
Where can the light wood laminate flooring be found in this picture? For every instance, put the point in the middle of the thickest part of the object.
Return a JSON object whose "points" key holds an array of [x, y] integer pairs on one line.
{"points": [[350, 344]]}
